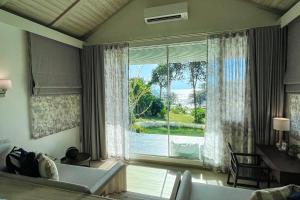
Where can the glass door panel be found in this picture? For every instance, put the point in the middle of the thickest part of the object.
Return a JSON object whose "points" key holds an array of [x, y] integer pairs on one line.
{"points": [[147, 101], [187, 95], [167, 100]]}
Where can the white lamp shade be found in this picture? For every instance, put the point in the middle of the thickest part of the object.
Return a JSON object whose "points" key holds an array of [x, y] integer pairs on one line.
{"points": [[5, 84], [281, 124]]}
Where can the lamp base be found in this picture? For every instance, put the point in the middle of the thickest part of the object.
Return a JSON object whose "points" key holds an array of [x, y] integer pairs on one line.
{"points": [[282, 146]]}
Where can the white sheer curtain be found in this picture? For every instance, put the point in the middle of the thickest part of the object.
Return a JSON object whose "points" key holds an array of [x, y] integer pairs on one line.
{"points": [[116, 100], [228, 99]]}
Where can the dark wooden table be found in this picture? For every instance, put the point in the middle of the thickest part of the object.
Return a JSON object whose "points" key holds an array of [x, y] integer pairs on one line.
{"points": [[82, 159], [285, 169]]}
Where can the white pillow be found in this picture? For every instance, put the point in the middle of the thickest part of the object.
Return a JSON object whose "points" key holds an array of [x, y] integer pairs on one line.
{"points": [[47, 168]]}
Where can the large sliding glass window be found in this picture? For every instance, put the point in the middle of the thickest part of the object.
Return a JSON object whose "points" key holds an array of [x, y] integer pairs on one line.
{"points": [[167, 97]]}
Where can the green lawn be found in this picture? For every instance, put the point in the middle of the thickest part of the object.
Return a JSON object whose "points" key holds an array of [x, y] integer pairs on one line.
{"points": [[185, 118], [183, 131]]}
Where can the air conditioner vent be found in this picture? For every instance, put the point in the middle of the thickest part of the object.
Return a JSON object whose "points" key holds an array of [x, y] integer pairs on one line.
{"points": [[166, 13], [168, 18]]}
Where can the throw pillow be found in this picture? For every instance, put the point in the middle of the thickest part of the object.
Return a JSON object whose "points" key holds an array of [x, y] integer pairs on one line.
{"points": [[47, 167], [280, 193]]}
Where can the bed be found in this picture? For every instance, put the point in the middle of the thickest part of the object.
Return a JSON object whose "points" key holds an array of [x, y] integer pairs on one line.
{"points": [[76, 178]]}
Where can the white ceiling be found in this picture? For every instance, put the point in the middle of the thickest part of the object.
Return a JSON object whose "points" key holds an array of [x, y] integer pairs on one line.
{"points": [[74, 17], [79, 18]]}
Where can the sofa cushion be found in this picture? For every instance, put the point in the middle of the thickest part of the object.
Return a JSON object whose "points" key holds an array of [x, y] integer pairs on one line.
{"points": [[47, 167], [185, 187], [175, 187]]}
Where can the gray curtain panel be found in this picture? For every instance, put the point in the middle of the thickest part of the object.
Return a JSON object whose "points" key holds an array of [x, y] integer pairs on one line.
{"points": [[93, 102], [292, 78], [54, 67], [267, 62]]}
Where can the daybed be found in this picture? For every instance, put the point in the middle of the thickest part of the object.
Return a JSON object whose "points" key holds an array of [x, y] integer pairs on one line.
{"points": [[76, 178]]}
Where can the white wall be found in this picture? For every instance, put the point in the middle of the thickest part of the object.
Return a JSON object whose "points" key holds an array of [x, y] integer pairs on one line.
{"points": [[14, 108], [205, 16]]}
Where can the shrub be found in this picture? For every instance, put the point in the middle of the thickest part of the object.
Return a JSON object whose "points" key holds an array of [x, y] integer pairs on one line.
{"points": [[178, 109], [199, 115], [163, 112], [137, 128], [156, 107]]}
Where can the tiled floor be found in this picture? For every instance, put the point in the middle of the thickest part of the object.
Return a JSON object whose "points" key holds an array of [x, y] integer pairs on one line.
{"points": [[157, 180]]}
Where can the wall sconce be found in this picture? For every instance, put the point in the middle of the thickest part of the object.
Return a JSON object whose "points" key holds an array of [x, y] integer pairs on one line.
{"points": [[5, 84]]}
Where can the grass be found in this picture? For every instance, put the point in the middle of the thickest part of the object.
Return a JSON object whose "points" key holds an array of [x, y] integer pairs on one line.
{"points": [[185, 118], [182, 131]]}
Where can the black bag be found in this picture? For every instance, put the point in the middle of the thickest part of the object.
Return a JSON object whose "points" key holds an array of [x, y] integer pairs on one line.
{"points": [[19, 161]]}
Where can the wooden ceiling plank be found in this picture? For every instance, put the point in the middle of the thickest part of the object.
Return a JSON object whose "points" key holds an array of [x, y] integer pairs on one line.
{"points": [[65, 13], [283, 5], [22, 10], [52, 6], [32, 10], [27, 25], [264, 7], [89, 32], [3, 2], [86, 14]]}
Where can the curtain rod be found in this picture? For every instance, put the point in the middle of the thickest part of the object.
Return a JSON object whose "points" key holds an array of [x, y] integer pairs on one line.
{"points": [[181, 36]]}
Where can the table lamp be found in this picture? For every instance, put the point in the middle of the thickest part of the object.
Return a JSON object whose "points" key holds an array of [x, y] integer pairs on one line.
{"points": [[281, 124]]}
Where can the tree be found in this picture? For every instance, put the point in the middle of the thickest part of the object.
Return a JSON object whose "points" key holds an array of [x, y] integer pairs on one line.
{"points": [[200, 97], [157, 107], [161, 72], [140, 97], [197, 72], [160, 77]]}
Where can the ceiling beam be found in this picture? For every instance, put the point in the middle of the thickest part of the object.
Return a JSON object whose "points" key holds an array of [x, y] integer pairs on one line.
{"points": [[3, 2], [290, 15], [64, 14], [263, 7], [27, 25]]}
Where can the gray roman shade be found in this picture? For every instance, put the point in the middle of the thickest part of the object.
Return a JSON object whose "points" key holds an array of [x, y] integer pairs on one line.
{"points": [[292, 75], [54, 66]]}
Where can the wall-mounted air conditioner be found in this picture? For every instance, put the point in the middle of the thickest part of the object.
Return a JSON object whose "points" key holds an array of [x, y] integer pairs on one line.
{"points": [[166, 13]]}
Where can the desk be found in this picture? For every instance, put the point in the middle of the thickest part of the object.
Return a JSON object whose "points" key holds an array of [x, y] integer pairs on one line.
{"points": [[285, 169]]}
